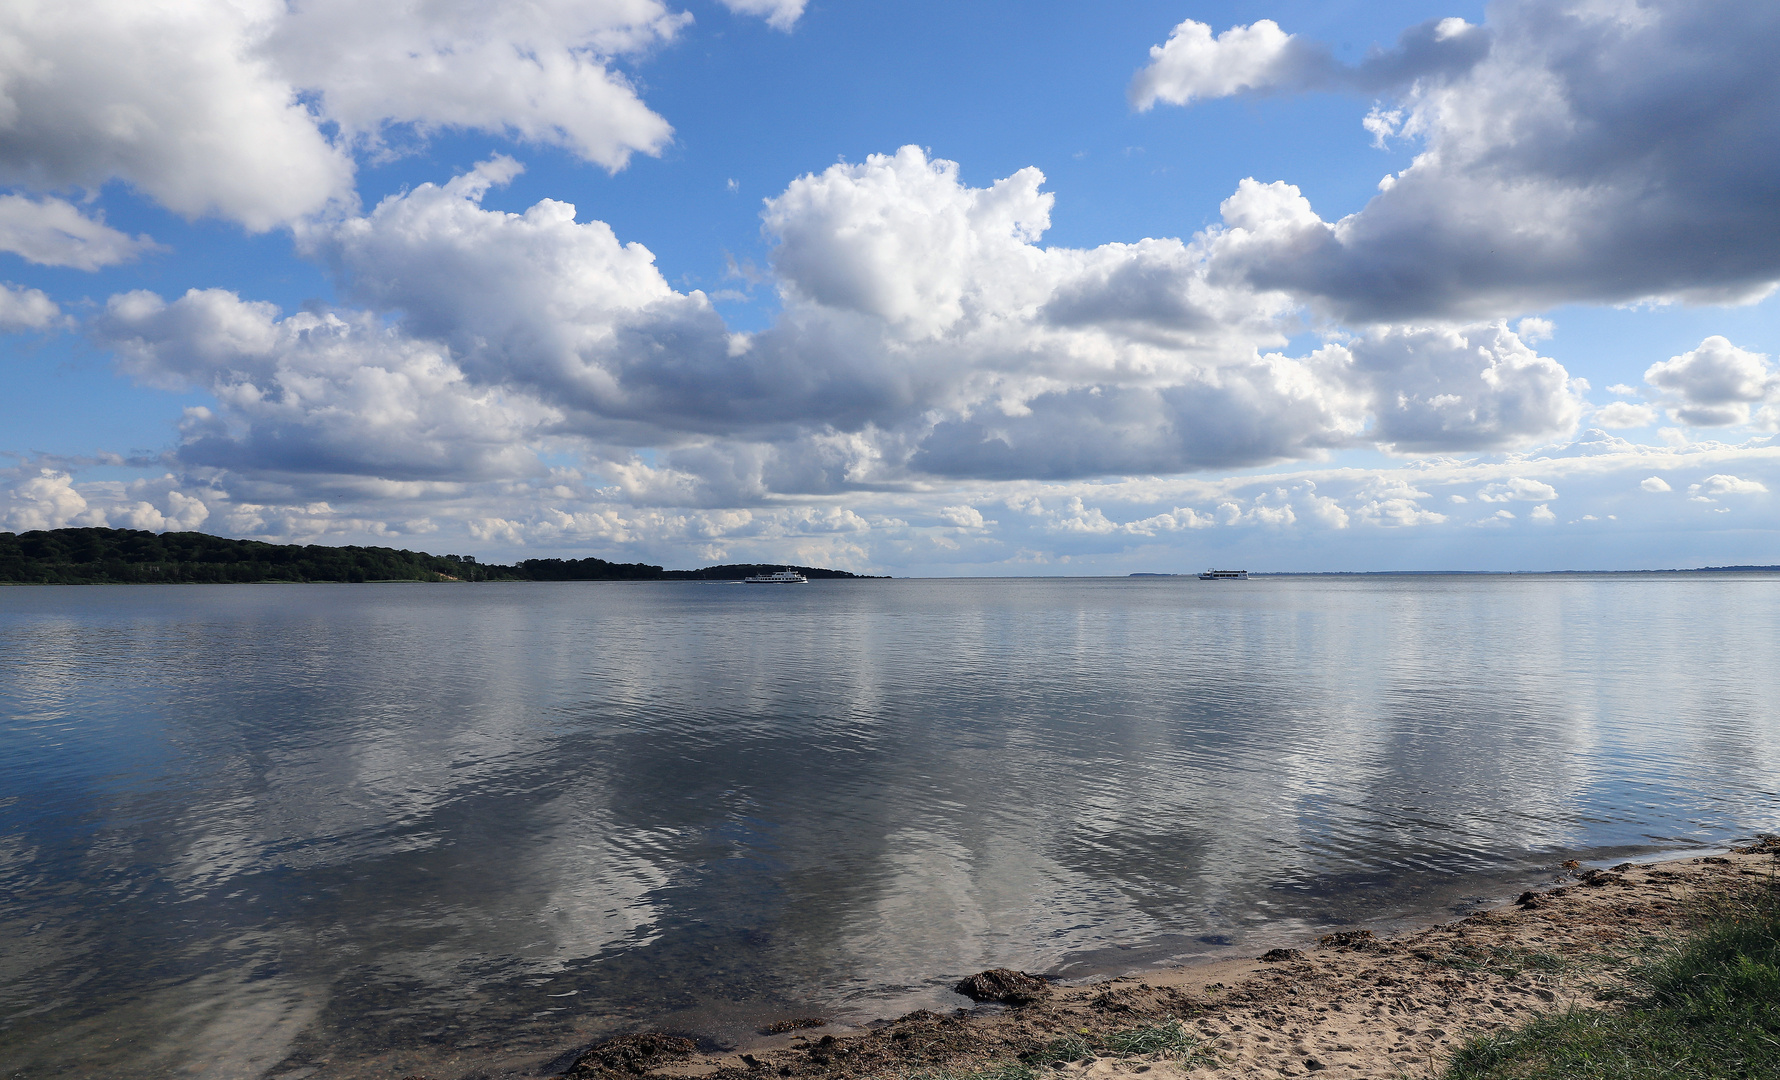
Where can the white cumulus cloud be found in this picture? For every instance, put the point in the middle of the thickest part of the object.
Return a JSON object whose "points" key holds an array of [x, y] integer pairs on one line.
{"points": [[250, 109], [1517, 488], [926, 333], [52, 232], [45, 499], [1715, 384], [1720, 484], [39, 497], [1194, 65], [1464, 388], [176, 98], [963, 517], [539, 70], [320, 393], [779, 14], [534, 298], [1393, 502], [27, 309], [901, 239]]}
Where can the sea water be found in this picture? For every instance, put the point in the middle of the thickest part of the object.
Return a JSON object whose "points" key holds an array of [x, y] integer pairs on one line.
{"points": [[348, 830]]}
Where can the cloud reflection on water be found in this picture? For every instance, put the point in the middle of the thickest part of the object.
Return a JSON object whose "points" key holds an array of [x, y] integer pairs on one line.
{"points": [[437, 811]]}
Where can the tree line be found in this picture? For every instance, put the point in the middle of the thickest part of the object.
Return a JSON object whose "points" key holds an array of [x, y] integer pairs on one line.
{"points": [[93, 556]]}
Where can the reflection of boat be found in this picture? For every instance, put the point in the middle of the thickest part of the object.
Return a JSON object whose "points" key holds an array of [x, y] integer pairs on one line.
{"points": [[1224, 575], [782, 577]]}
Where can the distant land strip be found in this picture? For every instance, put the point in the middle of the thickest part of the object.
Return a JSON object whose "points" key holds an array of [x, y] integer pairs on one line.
{"points": [[1487, 573], [134, 557]]}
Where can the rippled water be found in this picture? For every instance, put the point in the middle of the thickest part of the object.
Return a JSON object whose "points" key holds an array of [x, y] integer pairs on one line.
{"points": [[252, 829]]}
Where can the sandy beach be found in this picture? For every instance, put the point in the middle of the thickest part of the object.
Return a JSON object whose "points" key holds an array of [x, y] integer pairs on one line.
{"points": [[1350, 1005]]}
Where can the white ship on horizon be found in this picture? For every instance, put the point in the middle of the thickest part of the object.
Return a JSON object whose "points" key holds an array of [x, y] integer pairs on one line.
{"points": [[1224, 575], [780, 577]]}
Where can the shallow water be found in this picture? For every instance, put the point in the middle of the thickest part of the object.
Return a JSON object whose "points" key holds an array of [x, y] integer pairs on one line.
{"points": [[251, 830]]}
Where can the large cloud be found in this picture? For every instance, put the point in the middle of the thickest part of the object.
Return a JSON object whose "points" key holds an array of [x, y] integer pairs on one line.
{"points": [[173, 97], [248, 109], [539, 70], [40, 497], [1602, 150], [320, 394], [1466, 388], [901, 239], [44, 499], [926, 333], [1057, 362], [563, 307], [534, 296]]}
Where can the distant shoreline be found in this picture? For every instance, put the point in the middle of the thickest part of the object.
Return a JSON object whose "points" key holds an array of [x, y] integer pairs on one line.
{"points": [[100, 556], [1483, 573], [103, 556]]}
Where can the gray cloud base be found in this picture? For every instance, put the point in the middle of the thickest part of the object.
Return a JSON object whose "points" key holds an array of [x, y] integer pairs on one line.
{"points": [[1595, 153], [926, 334]]}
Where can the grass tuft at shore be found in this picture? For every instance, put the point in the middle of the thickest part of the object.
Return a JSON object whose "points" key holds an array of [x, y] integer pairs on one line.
{"points": [[1707, 1006], [1165, 1040], [1504, 961], [999, 1070], [1162, 1040]]}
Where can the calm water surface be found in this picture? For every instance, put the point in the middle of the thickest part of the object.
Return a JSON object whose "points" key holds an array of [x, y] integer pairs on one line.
{"points": [[376, 829]]}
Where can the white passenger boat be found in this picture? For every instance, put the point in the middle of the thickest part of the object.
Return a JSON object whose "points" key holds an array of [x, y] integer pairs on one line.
{"points": [[1224, 575], [782, 577]]}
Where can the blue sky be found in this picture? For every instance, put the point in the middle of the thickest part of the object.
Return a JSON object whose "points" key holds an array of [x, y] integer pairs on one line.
{"points": [[910, 288]]}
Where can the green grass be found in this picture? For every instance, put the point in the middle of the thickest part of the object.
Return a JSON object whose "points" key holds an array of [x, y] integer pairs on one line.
{"points": [[998, 1070], [1503, 960], [1068, 1048], [1167, 1040], [1164, 1040], [1706, 1006]]}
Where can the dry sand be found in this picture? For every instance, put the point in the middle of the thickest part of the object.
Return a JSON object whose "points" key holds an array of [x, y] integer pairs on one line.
{"points": [[1351, 1006]]}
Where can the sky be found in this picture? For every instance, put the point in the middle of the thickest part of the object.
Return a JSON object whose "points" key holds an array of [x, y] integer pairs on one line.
{"points": [[909, 288]]}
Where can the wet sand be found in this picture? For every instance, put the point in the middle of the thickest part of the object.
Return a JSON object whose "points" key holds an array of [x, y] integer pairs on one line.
{"points": [[1351, 1005]]}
